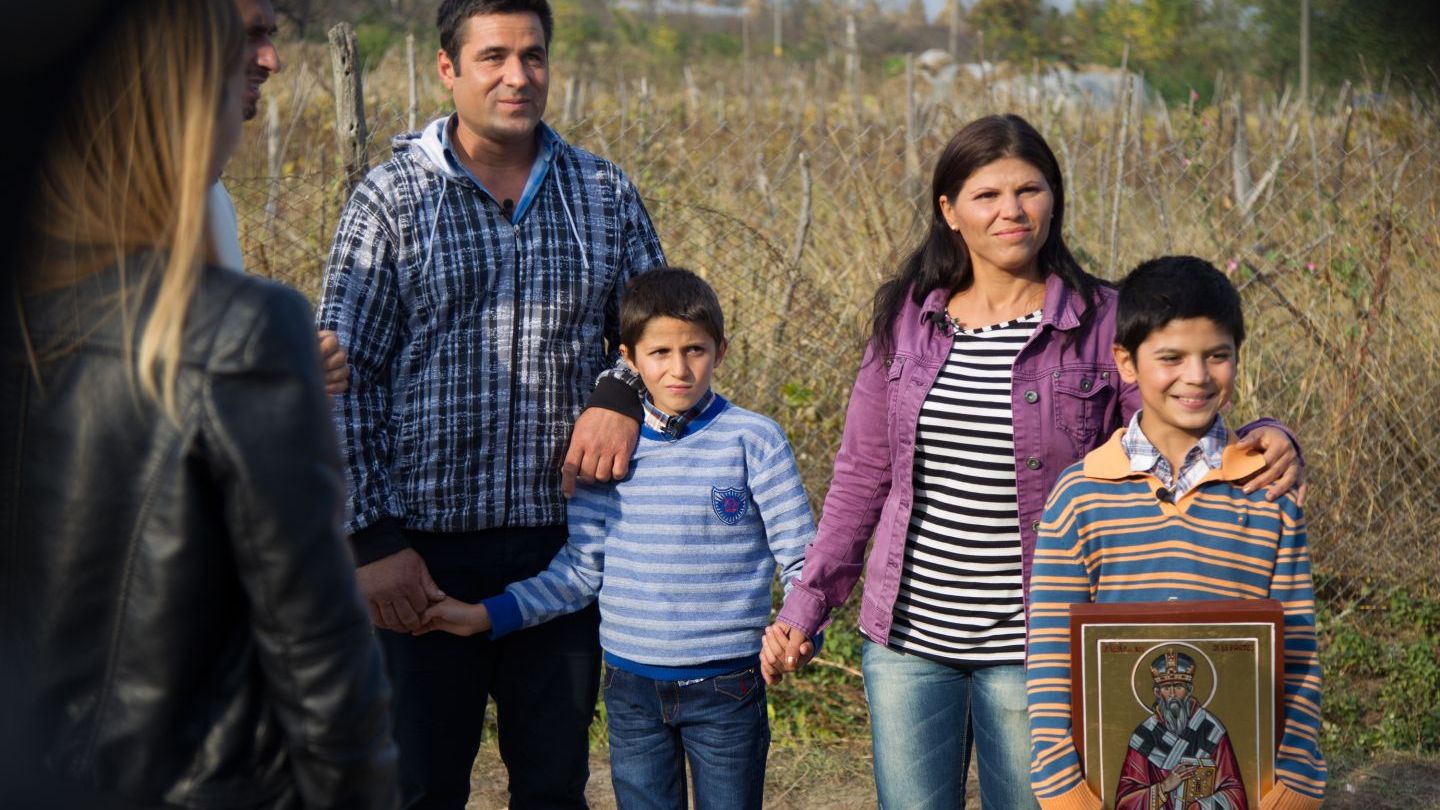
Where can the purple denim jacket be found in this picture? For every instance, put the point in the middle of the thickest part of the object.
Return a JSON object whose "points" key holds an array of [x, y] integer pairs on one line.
{"points": [[1067, 398]]}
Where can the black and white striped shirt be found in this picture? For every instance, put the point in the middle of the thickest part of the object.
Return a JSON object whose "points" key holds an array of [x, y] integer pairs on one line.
{"points": [[961, 598]]}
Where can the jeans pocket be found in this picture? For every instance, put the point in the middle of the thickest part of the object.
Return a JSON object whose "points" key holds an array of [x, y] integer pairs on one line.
{"points": [[738, 686], [607, 676]]}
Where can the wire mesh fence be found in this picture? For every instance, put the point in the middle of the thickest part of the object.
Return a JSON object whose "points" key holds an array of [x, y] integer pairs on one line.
{"points": [[795, 206]]}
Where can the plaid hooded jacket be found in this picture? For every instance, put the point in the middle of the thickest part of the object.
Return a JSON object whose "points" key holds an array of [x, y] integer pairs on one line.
{"points": [[474, 341]]}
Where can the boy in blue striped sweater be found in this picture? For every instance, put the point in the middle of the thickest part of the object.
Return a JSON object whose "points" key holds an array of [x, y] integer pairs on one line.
{"points": [[1158, 513], [682, 554]]}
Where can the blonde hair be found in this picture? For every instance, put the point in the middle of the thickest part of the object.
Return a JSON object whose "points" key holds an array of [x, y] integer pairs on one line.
{"points": [[128, 167]]}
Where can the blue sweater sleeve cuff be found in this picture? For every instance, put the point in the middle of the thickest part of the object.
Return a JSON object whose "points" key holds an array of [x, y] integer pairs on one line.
{"points": [[504, 610]]}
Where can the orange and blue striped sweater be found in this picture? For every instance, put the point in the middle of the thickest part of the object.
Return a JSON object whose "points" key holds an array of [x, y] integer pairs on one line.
{"points": [[1106, 537]]}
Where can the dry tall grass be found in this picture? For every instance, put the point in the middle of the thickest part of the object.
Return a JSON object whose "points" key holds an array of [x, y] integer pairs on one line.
{"points": [[794, 200]]}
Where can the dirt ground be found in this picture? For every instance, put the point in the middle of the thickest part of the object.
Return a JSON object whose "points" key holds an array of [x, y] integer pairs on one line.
{"points": [[837, 776], [833, 776]]}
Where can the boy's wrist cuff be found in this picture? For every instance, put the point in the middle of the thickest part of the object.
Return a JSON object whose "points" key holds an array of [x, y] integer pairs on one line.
{"points": [[504, 610], [612, 394]]}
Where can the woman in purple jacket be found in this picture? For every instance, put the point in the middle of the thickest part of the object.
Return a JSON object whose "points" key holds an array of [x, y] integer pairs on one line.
{"points": [[988, 372]]}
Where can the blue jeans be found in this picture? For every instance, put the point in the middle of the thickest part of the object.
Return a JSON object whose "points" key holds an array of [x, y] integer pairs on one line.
{"points": [[923, 715], [719, 724]]}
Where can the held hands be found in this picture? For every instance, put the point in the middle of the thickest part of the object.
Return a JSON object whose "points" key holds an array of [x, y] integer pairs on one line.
{"points": [[453, 616], [600, 448], [398, 589], [783, 649], [334, 363], [1283, 471]]}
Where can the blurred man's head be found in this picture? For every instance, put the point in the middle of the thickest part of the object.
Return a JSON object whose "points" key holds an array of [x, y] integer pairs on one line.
{"points": [[261, 58]]}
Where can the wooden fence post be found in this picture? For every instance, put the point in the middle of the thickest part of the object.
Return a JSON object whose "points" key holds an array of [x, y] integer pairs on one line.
{"points": [[777, 35], [567, 112], [414, 106], [912, 133], [852, 65], [350, 131], [272, 164]]}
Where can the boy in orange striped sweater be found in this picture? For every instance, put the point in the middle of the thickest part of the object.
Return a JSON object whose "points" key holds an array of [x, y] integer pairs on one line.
{"points": [[1156, 514]]}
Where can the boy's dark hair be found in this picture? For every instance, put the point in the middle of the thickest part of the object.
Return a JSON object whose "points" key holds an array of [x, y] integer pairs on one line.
{"points": [[669, 292], [454, 15], [1173, 288]]}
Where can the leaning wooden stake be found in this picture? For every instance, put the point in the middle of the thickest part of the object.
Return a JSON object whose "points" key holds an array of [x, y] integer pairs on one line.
{"points": [[349, 105]]}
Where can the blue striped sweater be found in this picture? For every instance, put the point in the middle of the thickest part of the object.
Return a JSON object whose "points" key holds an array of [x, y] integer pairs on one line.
{"points": [[1105, 537], [683, 551]]}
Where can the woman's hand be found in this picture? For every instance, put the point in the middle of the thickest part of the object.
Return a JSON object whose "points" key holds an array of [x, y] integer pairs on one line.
{"points": [[1283, 471]]}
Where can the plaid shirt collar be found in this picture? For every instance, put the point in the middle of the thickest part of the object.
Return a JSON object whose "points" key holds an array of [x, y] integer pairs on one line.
{"points": [[673, 427], [1202, 458]]}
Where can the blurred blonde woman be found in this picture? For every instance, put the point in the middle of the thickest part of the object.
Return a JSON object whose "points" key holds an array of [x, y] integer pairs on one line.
{"points": [[181, 620]]}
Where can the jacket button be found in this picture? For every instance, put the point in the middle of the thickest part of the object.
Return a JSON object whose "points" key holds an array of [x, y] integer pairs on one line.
{"points": [[1031, 397], [1085, 384], [1034, 525], [1033, 463]]}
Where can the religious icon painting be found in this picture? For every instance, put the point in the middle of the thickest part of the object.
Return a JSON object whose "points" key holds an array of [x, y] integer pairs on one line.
{"points": [[1178, 704]]}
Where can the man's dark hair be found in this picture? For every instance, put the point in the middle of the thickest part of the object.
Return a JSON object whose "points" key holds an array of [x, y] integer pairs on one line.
{"points": [[669, 292], [1173, 288], [454, 15]]}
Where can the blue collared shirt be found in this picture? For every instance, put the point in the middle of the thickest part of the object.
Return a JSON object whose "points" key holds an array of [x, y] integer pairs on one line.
{"points": [[544, 156], [1199, 461]]}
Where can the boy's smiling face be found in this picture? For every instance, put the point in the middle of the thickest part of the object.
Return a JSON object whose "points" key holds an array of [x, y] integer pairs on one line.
{"points": [[675, 359], [1185, 372]]}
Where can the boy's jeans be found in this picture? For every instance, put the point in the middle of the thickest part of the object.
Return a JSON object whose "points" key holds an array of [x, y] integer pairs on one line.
{"points": [[719, 724]]}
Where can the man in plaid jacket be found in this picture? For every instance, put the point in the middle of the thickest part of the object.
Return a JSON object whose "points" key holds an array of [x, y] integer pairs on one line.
{"points": [[475, 279]]}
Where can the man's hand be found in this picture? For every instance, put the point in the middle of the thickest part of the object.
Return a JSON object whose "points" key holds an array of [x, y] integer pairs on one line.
{"points": [[600, 448], [397, 590], [1283, 470], [783, 649], [334, 363]]}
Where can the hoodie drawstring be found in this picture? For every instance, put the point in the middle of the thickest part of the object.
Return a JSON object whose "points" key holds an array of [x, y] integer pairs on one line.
{"points": [[435, 224], [584, 259]]}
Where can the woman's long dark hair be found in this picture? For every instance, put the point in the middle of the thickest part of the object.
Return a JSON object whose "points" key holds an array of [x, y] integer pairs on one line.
{"points": [[942, 260]]}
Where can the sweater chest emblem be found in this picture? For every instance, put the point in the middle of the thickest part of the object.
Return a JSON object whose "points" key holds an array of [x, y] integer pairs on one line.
{"points": [[730, 504]]}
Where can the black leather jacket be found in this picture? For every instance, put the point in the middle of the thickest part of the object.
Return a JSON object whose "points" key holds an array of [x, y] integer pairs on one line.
{"points": [[181, 620]]}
